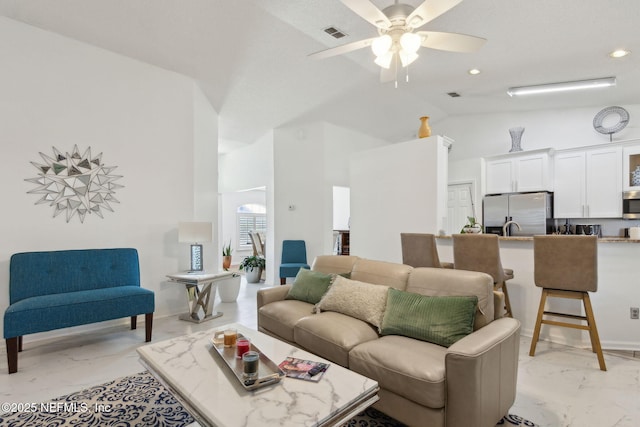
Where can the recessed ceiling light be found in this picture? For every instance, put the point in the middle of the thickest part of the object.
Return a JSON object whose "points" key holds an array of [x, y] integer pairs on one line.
{"points": [[619, 53], [474, 71]]}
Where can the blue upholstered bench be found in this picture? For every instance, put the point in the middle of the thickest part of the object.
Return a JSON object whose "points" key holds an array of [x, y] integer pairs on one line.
{"points": [[59, 289]]}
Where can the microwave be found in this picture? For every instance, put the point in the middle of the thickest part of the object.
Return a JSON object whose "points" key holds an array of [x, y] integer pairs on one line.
{"points": [[631, 205]]}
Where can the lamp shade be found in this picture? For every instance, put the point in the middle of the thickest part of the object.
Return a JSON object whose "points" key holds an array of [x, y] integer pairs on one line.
{"points": [[194, 232], [410, 42], [381, 45]]}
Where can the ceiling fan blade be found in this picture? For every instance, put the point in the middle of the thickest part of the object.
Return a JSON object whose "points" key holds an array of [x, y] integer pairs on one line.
{"points": [[345, 48], [369, 12], [429, 10], [452, 42]]}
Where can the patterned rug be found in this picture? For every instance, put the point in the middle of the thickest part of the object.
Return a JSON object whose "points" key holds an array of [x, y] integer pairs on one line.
{"points": [[140, 400]]}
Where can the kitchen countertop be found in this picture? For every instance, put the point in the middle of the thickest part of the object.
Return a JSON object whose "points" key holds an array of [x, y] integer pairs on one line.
{"points": [[605, 239]]}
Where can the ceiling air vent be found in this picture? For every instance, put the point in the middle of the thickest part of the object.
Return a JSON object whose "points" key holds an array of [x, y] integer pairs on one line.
{"points": [[334, 32], [453, 94]]}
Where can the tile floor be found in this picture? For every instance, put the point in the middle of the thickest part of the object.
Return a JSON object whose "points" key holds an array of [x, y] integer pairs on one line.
{"points": [[560, 386]]}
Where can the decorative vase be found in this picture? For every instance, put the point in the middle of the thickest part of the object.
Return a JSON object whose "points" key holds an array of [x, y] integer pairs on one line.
{"points": [[229, 288], [472, 229], [516, 136], [253, 275], [425, 130], [226, 262]]}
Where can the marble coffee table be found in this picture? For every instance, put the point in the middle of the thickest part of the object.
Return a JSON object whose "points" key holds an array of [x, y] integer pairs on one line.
{"points": [[200, 379]]}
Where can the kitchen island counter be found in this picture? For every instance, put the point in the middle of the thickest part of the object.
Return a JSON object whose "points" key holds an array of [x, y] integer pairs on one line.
{"points": [[618, 290]]}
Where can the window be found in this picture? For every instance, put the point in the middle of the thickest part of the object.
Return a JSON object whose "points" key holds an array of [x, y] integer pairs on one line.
{"points": [[250, 217]]}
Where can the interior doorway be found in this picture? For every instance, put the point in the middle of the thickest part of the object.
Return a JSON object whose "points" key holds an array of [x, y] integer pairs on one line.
{"points": [[460, 205]]}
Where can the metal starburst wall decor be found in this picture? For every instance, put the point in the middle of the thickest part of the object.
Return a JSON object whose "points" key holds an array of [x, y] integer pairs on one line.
{"points": [[75, 184]]}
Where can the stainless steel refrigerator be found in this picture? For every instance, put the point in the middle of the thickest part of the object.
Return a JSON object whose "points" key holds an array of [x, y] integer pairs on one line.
{"points": [[532, 211]]}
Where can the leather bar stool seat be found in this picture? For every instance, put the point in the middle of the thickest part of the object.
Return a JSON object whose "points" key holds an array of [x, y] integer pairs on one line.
{"points": [[481, 252], [567, 267]]}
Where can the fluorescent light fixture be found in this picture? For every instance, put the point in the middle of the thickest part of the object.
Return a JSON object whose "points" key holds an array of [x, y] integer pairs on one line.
{"points": [[562, 87]]}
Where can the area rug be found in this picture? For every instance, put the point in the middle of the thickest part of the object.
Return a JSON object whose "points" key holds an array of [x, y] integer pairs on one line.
{"points": [[140, 400]]}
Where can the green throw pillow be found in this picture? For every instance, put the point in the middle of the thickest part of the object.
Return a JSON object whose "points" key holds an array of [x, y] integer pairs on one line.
{"points": [[309, 286], [441, 320]]}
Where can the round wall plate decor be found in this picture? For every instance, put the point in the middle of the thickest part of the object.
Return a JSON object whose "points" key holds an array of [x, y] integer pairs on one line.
{"points": [[623, 120]]}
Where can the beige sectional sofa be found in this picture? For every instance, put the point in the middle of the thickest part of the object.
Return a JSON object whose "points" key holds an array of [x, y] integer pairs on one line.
{"points": [[472, 383]]}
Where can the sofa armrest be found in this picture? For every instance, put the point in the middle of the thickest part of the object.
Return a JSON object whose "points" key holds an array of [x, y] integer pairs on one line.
{"points": [[268, 295], [481, 374]]}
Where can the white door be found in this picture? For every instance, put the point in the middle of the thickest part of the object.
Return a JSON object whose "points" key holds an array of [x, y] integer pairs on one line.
{"points": [[459, 206]]}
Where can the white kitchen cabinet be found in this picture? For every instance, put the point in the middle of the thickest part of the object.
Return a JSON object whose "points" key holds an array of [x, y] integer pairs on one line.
{"points": [[587, 183], [519, 172], [630, 162]]}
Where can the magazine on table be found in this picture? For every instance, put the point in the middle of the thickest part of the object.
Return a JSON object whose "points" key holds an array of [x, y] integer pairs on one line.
{"points": [[303, 369]]}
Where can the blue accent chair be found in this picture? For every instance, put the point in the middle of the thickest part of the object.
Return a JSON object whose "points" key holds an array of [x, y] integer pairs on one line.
{"points": [[294, 257], [60, 289]]}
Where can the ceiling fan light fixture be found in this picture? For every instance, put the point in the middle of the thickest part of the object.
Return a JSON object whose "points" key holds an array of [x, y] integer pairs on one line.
{"points": [[381, 45], [562, 87], [410, 42], [384, 60], [407, 58]]}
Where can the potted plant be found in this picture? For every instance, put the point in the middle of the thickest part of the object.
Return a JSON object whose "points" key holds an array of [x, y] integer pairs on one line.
{"points": [[226, 256], [472, 226], [253, 266]]}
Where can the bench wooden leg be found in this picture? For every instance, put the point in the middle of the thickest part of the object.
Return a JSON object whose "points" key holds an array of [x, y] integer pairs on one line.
{"points": [[12, 354], [134, 322], [148, 325], [20, 343], [283, 280]]}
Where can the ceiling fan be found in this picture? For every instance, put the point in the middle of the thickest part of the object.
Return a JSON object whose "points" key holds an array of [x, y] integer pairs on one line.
{"points": [[397, 41]]}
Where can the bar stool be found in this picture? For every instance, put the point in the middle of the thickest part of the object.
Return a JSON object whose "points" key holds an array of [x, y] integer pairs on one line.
{"points": [[481, 252], [567, 267], [420, 250]]}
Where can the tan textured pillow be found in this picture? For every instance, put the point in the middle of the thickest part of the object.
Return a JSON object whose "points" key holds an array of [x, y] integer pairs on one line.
{"points": [[361, 300]]}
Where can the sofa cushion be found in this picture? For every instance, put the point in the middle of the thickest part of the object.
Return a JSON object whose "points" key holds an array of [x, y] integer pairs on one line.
{"points": [[438, 282], [361, 300], [280, 317], [309, 286], [439, 320], [410, 368], [337, 264], [381, 273], [62, 310], [332, 335]]}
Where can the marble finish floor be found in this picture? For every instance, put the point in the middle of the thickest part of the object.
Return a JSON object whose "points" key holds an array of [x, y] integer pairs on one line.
{"points": [[560, 386]]}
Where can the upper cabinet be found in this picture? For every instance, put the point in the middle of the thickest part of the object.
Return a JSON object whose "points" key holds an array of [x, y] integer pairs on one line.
{"points": [[631, 167], [519, 172], [587, 183]]}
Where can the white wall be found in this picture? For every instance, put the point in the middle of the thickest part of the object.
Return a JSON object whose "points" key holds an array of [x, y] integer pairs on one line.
{"points": [[395, 189], [309, 159], [148, 122], [341, 207]]}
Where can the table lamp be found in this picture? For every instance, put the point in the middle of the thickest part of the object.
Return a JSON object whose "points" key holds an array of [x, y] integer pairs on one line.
{"points": [[195, 233]]}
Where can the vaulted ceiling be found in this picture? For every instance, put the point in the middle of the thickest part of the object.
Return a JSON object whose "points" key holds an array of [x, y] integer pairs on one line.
{"points": [[250, 57]]}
